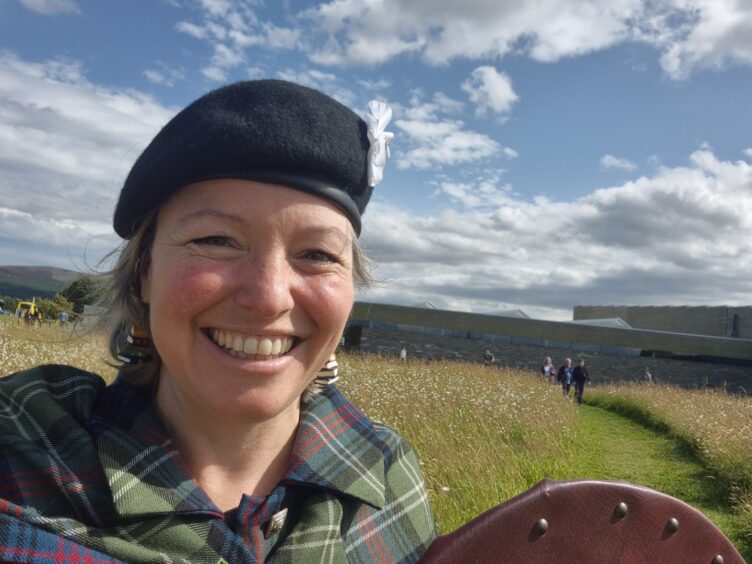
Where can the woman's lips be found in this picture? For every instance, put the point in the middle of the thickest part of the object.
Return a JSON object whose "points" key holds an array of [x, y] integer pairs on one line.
{"points": [[257, 347]]}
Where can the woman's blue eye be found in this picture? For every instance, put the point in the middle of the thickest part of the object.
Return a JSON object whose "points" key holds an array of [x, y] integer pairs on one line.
{"points": [[319, 256], [213, 240]]}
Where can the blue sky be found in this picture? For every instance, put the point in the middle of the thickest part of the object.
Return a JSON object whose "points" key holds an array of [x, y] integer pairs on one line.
{"points": [[547, 154]]}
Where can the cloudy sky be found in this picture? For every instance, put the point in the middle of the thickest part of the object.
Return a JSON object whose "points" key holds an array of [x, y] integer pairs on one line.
{"points": [[548, 153]]}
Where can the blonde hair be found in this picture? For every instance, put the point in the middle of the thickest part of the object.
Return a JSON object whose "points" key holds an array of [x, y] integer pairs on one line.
{"points": [[122, 307]]}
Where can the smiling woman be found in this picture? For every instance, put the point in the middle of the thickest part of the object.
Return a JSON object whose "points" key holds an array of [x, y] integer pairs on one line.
{"points": [[222, 438]]}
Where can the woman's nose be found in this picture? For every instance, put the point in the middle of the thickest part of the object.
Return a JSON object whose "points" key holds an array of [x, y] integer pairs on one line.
{"points": [[266, 288]]}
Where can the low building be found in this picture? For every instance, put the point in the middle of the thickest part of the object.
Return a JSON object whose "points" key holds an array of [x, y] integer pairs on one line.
{"points": [[714, 321], [614, 351]]}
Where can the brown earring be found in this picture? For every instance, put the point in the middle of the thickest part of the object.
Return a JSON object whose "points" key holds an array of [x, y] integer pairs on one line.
{"points": [[138, 347]]}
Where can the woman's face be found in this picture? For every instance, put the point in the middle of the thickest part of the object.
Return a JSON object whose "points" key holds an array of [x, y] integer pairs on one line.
{"points": [[249, 287]]}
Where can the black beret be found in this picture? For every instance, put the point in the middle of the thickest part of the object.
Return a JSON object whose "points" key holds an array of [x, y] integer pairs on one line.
{"points": [[265, 130]]}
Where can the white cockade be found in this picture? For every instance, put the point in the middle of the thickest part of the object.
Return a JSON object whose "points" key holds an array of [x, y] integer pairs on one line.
{"points": [[377, 118]]}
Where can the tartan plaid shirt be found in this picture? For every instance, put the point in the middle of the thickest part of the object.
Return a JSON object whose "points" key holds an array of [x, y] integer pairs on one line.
{"points": [[88, 473]]}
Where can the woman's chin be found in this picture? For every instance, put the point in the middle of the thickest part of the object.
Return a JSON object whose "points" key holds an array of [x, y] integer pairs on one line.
{"points": [[257, 405]]}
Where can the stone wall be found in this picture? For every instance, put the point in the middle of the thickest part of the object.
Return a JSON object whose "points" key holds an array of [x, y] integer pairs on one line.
{"points": [[602, 367]]}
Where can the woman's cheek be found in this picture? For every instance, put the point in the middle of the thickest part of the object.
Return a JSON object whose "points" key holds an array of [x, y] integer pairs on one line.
{"points": [[192, 285], [336, 295]]}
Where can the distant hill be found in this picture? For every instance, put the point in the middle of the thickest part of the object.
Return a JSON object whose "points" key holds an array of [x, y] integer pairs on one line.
{"points": [[29, 281]]}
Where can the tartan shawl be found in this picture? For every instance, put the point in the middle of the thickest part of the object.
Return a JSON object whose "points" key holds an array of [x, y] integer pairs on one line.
{"points": [[88, 473]]}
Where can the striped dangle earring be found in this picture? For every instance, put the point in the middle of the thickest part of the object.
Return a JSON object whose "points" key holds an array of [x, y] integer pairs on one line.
{"points": [[328, 373], [138, 347]]}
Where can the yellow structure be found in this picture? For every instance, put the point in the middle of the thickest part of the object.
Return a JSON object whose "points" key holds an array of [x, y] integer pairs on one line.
{"points": [[26, 307]]}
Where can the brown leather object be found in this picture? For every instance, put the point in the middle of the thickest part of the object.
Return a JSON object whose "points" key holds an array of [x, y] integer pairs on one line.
{"points": [[586, 521]]}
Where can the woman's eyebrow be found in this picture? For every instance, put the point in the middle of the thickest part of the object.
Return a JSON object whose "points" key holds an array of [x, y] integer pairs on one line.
{"points": [[210, 212], [311, 231], [326, 230]]}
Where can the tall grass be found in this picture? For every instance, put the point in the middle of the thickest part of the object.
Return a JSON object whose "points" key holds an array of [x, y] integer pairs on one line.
{"points": [[483, 435], [716, 426], [23, 347]]}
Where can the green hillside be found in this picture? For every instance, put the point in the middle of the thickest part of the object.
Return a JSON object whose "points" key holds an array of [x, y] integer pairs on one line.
{"points": [[34, 281]]}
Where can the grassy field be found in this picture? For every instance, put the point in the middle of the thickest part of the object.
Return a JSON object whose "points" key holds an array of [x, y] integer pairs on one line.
{"points": [[712, 427], [484, 435], [715, 426], [23, 347]]}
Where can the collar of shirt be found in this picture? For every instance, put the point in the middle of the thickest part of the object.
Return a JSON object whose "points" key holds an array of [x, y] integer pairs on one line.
{"points": [[336, 448]]}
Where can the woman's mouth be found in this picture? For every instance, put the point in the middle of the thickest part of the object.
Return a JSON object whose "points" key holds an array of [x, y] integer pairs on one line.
{"points": [[253, 347]]}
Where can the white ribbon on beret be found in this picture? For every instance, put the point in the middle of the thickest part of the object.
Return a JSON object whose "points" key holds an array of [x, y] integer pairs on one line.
{"points": [[378, 117]]}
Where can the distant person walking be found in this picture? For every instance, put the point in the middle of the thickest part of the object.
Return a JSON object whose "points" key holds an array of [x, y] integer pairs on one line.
{"points": [[564, 376], [403, 354], [63, 318], [647, 377], [548, 370], [488, 358], [579, 377]]}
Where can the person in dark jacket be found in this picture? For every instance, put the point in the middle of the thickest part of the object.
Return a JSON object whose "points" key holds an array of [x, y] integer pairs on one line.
{"points": [[564, 376], [579, 377]]}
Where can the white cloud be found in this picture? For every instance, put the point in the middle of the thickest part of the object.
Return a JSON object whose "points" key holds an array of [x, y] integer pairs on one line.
{"points": [[191, 29], [223, 59], [164, 75], [214, 73], [669, 238], [231, 28], [254, 73], [279, 38], [217, 8], [610, 161], [481, 192], [309, 77], [378, 85], [324, 81], [226, 57], [748, 152], [154, 76], [443, 103], [435, 139], [689, 33], [65, 148], [490, 90], [715, 32], [364, 32], [51, 7], [421, 110], [268, 35], [442, 143], [510, 153]]}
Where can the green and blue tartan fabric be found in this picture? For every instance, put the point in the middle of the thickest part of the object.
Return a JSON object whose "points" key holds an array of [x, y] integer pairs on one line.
{"points": [[88, 473]]}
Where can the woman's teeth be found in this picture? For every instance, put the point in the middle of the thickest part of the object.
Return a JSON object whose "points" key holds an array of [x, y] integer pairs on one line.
{"points": [[245, 347]]}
